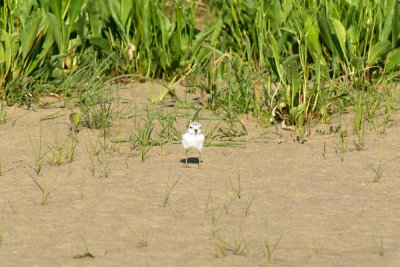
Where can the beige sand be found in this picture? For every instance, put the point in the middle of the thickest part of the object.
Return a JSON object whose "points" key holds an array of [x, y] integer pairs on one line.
{"points": [[310, 209]]}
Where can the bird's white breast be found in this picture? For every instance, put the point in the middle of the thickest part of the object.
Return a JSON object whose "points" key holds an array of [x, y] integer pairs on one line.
{"points": [[193, 141]]}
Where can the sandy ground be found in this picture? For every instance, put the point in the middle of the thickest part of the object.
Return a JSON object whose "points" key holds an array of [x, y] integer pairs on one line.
{"points": [[304, 203]]}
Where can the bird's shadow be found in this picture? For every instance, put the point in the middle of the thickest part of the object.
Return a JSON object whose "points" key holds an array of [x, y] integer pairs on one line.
{"points": [[191, 160]]}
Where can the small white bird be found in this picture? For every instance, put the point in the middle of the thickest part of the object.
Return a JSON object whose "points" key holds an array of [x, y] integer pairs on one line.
{"points": [[193, 139]]}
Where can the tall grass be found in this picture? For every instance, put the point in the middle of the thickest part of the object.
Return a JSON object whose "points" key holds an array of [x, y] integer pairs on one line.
{"points": [[316, 51]]}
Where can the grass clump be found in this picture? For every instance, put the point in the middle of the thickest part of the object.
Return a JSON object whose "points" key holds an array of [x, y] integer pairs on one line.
{"points": [[38, 153], [96, 110], [93, 98], [268, 250], [168, 132], [100, 157], [61, 151], [44, 193], [236, 189], [358, 123], [238, 246], [341, 146], [141, 137], [380, 247]]}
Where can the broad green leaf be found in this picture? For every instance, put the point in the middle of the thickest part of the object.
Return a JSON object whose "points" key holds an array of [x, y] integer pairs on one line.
{"points": [[393, 61], [287, 6], [352, 2], [352, 40], [165, 26], [281, 42], [388, 14], [56, 8], [325, 31], [146, 24], [74, 9], [249, 50], [377, 51], [164, 59], [202, 54], [216, 33], [2, 55], [28, 36], [3, 67], [277, 15], [340, 33], [275, 52], [80, 27], [126, 9], [27, 6], [57, 32], [96, 24], [180, 19], [4, 36], [296, 111], [115, 10], [101, 43], [175, 46], [295, 80], [14, 45], [290, 59], [312, 38], [200, 39], [46, 46], [396, 24]]}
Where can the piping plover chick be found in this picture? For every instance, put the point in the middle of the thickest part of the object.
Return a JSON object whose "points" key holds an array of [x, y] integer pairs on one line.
{"points": [[193, 139]]}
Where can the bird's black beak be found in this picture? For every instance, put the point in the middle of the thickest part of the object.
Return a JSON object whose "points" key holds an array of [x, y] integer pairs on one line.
{"points": [[195, 130]]}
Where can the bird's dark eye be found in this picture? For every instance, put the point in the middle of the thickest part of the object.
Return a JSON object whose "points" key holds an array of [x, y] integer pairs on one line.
{"points": [[190, 127]]}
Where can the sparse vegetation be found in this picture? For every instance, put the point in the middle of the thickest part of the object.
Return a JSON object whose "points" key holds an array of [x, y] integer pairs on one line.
{"points": [[269, 250], [236, 188], [257, 74], [141, 138], [359, 124], [378, 172], [248, 207], [319, 53], [38, 153], [379, 246], [141, 237], [100, 156], [44, 193], [61, 151], [341, 146], [70, 149], [1, 167], [169, 189], [237, 246]]}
